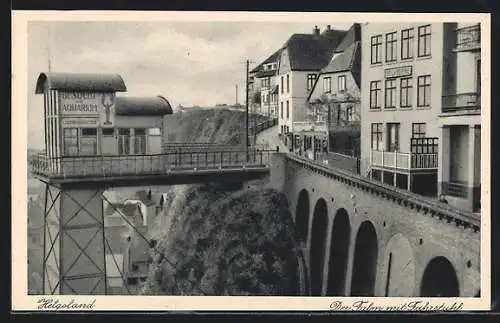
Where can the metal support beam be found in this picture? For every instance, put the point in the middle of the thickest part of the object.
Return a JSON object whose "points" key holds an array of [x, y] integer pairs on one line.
{"points": [[74, 250]]}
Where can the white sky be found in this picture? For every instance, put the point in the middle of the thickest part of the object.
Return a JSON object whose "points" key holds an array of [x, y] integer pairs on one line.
{"points": [[190, 63]]}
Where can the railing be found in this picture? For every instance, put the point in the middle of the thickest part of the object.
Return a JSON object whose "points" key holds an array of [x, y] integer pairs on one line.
{"points": [[406, 161], [462, 101], [421, 202], [309, 126], [263, 126], [468, 38], [168, 162]]}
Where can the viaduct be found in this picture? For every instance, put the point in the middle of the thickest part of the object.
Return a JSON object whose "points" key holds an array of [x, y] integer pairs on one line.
{"points": [[363, 238]]}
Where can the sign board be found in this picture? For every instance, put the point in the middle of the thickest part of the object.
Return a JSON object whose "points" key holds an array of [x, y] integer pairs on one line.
{"points": [[400, 71], [79, 122], [86, 104]]}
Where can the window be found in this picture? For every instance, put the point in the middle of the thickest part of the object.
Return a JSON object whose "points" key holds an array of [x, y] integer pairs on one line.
{"points": [[406, 88], [281, 110], [377, 134], [391, 47], [376, 49], [341, 83], [393, 136], [140, 141], [375, 92], [310, 81], [424, 91], [390, 94], [349, 113], [282, 86], [71, 141], [88, 142], [287, 109], [287, 83], [327, 84], [123, 141], [424, 41], [407, 43], [265, 82], [418, 130]]}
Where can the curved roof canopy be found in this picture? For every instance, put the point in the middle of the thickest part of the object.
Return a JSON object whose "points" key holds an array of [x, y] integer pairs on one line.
{"points": [[142, 106], [80, 82]]}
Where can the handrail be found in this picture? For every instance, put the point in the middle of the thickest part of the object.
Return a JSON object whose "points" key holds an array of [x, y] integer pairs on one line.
{"points": [[122, 165], [396, 193]]}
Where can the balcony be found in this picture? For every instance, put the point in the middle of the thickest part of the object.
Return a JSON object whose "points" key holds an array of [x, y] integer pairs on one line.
{"points": [[461, 102], [310, 126], [468, 39], [403, 161]]}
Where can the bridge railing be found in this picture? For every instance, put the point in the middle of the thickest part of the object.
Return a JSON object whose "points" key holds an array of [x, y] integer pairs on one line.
{"points": [[169, 162], [418, 201]]}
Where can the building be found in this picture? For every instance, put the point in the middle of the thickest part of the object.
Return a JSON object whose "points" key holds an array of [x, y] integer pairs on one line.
{"points": [[411, 74], [334, 101], [265, 94], [302, 57], [459, 119]]}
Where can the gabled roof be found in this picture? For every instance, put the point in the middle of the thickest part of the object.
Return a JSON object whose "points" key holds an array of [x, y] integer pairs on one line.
{"points": [[80, 82], [142, 106], [310, 51], [271, 59], [345, 60], [353, 35]]}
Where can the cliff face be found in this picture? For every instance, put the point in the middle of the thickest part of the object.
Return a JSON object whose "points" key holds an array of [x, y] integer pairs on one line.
{"points": [[222, 126], [218, 241]]}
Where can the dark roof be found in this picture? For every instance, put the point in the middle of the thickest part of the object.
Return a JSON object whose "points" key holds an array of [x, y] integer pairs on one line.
{"points": [[348, 60], [353, 35], [345, 60], [273, 58], [134, 106], [310, 51], [80, 82]]}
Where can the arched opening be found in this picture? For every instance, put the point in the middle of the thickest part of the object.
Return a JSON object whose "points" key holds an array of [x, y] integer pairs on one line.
{"points": [[317, 251], [440, 279], [339, 247], [302, 214], [365, 261]]}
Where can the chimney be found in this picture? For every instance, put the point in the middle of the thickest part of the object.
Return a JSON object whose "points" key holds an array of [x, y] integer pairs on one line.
{"points": [[316, 31]]}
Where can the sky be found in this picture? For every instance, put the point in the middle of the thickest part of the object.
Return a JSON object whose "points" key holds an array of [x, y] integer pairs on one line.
{"points": [[189, 63]]}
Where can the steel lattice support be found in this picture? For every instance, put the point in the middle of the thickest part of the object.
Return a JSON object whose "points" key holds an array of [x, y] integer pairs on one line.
{"points": [[74, 249]]}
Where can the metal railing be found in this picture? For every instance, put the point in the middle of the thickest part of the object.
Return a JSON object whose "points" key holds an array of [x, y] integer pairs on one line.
{"points": [[405, 161], [421, 202], [263, 126], [468, 38], [168, 162], [461, 101]]}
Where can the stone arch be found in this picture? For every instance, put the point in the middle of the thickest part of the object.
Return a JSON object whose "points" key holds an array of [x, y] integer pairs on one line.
{"points": [[302, 214], [317, 249], [399, 268], [339, 251], [365, 261], [439, 279]]}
